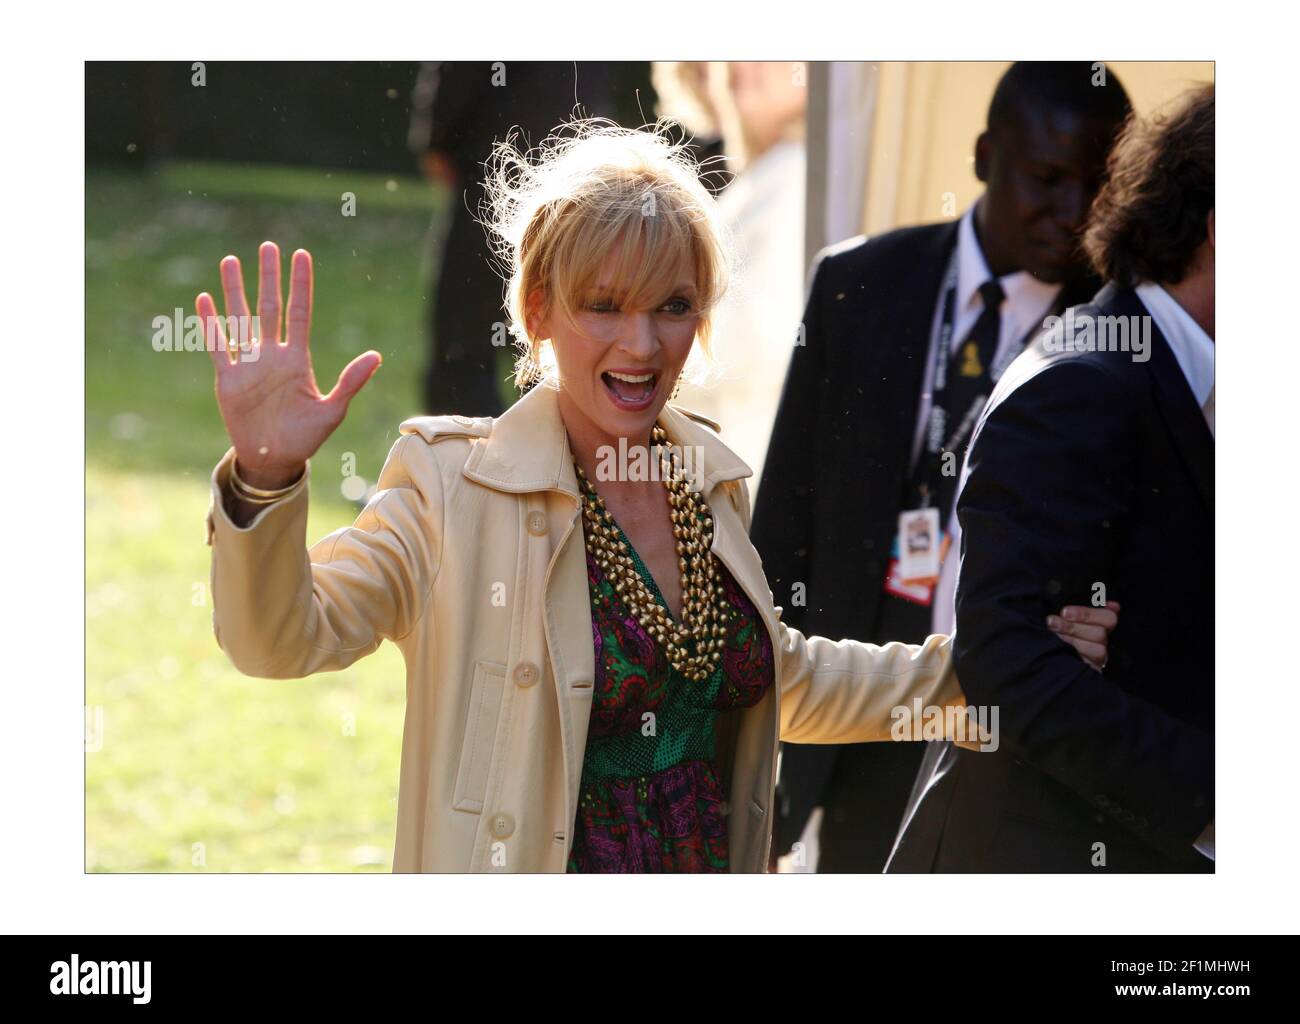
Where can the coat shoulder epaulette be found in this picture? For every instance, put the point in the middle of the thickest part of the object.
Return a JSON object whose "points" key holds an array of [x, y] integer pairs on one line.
{"points": [[438, 428], [700, 418]]}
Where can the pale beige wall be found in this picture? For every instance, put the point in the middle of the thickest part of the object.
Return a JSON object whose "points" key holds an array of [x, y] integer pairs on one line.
{"points": [[929, 114]]}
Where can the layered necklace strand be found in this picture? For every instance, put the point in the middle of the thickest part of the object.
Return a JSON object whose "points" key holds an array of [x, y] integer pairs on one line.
{"points": [[702, 616]]}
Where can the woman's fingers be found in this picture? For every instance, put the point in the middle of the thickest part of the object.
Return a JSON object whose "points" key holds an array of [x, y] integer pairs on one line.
{"points": [[237, 312], [1093, 653], [214, 337], [298, 319], [1107, 617], [1086, 629], [354, 377], [1063, 627], [232, 287], [268, 291]]}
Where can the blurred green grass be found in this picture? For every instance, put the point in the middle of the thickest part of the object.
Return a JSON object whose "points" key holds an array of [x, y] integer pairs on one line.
{"points": [[201, 768]]}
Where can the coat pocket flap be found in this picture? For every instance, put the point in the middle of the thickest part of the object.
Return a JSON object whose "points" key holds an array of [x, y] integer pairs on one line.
{"points": [[480, 736]]}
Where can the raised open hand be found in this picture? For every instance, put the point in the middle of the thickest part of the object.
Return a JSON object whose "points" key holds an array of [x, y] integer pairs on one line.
{"points": [[275, 415]]}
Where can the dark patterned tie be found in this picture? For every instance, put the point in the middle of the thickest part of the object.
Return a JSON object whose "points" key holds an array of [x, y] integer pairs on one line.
{"points": [[969, 378]]}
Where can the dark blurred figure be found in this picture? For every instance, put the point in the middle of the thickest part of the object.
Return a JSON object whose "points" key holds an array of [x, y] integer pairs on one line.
{"points": [[860, 438], [458, 110], [685, 95], [1097, 466]]}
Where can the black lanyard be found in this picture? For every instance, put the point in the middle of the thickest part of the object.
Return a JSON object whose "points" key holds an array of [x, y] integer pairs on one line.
{"points": [[935, 444]]}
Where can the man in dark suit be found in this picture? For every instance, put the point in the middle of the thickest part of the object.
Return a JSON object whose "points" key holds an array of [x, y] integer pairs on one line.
{"points": [[860, 394], [1091, 477]]}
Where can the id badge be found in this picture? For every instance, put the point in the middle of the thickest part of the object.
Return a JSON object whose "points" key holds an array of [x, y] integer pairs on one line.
{"points": [[917, 591], [919, 543]]}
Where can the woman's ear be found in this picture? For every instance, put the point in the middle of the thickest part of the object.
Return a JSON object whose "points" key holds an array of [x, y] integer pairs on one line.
{"points": [[535, 324]]}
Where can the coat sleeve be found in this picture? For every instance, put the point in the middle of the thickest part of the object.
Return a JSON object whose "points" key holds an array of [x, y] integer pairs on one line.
{"points": [[846, 691], [281, 611], [1050, 476]]}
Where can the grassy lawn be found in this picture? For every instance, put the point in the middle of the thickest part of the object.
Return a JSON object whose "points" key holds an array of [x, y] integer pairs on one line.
{"points": [[201, 768]]}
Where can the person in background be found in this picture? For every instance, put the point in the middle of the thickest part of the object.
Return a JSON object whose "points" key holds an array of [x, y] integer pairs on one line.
{"points": [[761, 106], [865, 433], [686, 96], [1093, 470]]}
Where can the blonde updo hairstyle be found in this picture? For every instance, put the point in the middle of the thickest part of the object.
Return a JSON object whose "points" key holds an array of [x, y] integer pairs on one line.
{"points": [[590, 192]]}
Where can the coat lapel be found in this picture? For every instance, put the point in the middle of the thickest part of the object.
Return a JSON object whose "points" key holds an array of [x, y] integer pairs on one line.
{"points": [[891, 354], [1177, 404]]}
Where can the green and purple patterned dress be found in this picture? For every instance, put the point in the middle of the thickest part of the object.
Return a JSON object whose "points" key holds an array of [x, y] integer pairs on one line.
{"points": [[650, 798]]}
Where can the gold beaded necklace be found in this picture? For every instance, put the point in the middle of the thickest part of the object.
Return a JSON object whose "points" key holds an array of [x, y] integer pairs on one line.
{"points": [[702, 614]]}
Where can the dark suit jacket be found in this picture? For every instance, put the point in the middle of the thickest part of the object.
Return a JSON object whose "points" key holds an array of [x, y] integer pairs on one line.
{"points": [[827, 506], [1087, 468]]}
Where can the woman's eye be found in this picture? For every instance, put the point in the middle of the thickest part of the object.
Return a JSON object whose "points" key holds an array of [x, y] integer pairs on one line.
{"points": [[678, 306], [600, 307]]}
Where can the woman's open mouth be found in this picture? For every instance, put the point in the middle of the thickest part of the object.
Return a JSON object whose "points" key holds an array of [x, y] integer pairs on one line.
{"points": [[630, 391]]}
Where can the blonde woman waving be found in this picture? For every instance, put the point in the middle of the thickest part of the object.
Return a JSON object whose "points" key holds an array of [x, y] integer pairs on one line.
{"points": [[597, 676]]}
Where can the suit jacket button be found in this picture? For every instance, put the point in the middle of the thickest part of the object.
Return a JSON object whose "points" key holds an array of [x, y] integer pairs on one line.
{"points": [[537, 523], [502, 825], [526, 673]]}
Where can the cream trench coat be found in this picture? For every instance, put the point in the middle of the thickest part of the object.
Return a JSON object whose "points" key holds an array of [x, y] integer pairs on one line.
{"points": [[470, 557]]}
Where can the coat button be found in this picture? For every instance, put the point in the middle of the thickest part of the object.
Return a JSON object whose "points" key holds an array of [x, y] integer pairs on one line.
{"points": [[526, 673], [502, 825], [537, 523]]}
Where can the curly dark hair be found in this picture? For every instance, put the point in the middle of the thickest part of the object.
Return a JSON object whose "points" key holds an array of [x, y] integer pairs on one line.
{"points": [[1149, 218]]}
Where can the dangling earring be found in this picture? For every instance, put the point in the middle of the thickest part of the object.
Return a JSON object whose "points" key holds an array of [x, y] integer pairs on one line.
{"points": [[677, 387]]}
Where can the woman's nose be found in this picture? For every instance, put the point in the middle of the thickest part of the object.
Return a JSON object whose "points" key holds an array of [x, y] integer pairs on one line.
{"points": [[638, 337]]}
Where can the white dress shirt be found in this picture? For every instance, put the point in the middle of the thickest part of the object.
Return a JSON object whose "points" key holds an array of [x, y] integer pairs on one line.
{"points": [[1028, 300]]}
